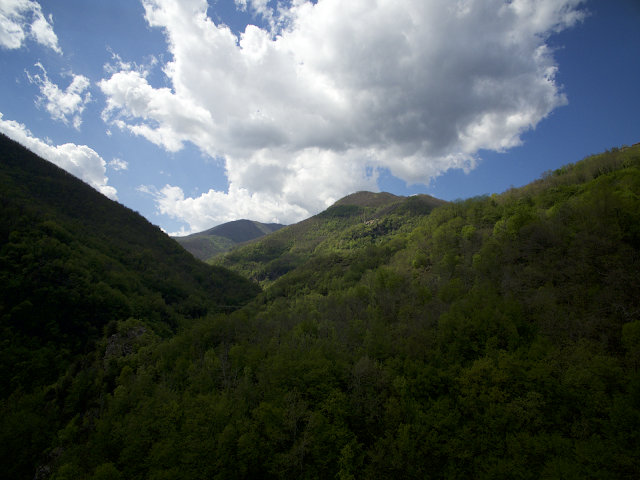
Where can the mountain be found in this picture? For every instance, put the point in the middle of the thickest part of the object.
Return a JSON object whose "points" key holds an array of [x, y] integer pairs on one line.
{"points": [[72, 260], [74, 265], [206, 245], [492, 337], [354, 222]]}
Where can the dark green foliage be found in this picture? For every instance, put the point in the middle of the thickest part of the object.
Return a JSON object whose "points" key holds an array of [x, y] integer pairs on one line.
{"points": [[72, 260], [73, 264], [494, 337], [341, 211]]}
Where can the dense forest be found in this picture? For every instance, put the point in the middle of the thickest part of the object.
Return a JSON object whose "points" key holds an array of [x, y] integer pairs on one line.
{"points": [[73, 264], [489, 338]]}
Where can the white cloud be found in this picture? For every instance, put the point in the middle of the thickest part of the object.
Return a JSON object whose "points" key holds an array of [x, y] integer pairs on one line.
{"points": [[180, 233], [275, 18], [320, 179], [334, 90], [62, 105], [118, 164], [79, 160], [119, 65], [20, 19]]}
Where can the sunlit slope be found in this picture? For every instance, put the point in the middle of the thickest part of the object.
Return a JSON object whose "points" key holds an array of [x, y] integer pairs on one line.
{"points": [[569, 239], [358, 220]]}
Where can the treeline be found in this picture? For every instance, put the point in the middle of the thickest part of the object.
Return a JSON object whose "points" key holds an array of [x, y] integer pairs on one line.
{"points": [[494, 337]]}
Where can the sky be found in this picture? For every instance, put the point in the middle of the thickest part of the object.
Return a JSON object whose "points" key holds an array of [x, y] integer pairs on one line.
{"points": [[197, 113]]}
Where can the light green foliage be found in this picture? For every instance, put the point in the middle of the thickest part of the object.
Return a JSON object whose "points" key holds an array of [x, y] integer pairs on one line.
{"points": [[344, 229]]}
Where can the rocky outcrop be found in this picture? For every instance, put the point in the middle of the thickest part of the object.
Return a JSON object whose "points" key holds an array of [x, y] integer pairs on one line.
{"points": [[121, 345], [44, 471]]}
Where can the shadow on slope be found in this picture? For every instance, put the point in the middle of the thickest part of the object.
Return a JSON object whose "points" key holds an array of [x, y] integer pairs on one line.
{"points": [[206, 245]]}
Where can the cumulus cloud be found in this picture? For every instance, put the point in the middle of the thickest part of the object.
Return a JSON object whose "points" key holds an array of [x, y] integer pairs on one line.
{"points": [[79, 160], [275, 18], [310, 110], [20, 19], [281, 201], [62, 105]]}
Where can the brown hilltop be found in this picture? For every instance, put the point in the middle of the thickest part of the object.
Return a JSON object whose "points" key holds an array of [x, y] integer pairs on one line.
{"points": [[389, 200], [369, 199]]}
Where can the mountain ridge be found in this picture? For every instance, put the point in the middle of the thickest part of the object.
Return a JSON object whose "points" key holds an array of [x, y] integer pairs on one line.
{"points": [[365, 217], [221, 238]]}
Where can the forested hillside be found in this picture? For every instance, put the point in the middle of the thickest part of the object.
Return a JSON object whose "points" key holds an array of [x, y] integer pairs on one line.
{"points": [[487, 338], [72, 265], [354, 222], [206, 245]]}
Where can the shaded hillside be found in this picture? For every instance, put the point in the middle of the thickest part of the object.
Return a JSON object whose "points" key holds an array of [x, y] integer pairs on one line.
{"points": [[353, 222], [74, 263], [72, 260], [219, 239]]}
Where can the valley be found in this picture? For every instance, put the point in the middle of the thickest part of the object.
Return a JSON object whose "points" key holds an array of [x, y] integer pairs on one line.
{"points": [[386, 337]]}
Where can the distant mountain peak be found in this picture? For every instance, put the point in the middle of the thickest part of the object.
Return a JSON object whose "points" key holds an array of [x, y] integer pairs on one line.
{"points": [[219, 239]]}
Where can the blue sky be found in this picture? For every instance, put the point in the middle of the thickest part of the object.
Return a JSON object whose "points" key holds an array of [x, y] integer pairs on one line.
{"points": [[195, 114]]}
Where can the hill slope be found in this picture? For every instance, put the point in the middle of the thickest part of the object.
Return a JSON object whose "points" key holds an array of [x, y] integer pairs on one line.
{"points": [[355, 221], [73, 262], [494, 337], [206, 245]]}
